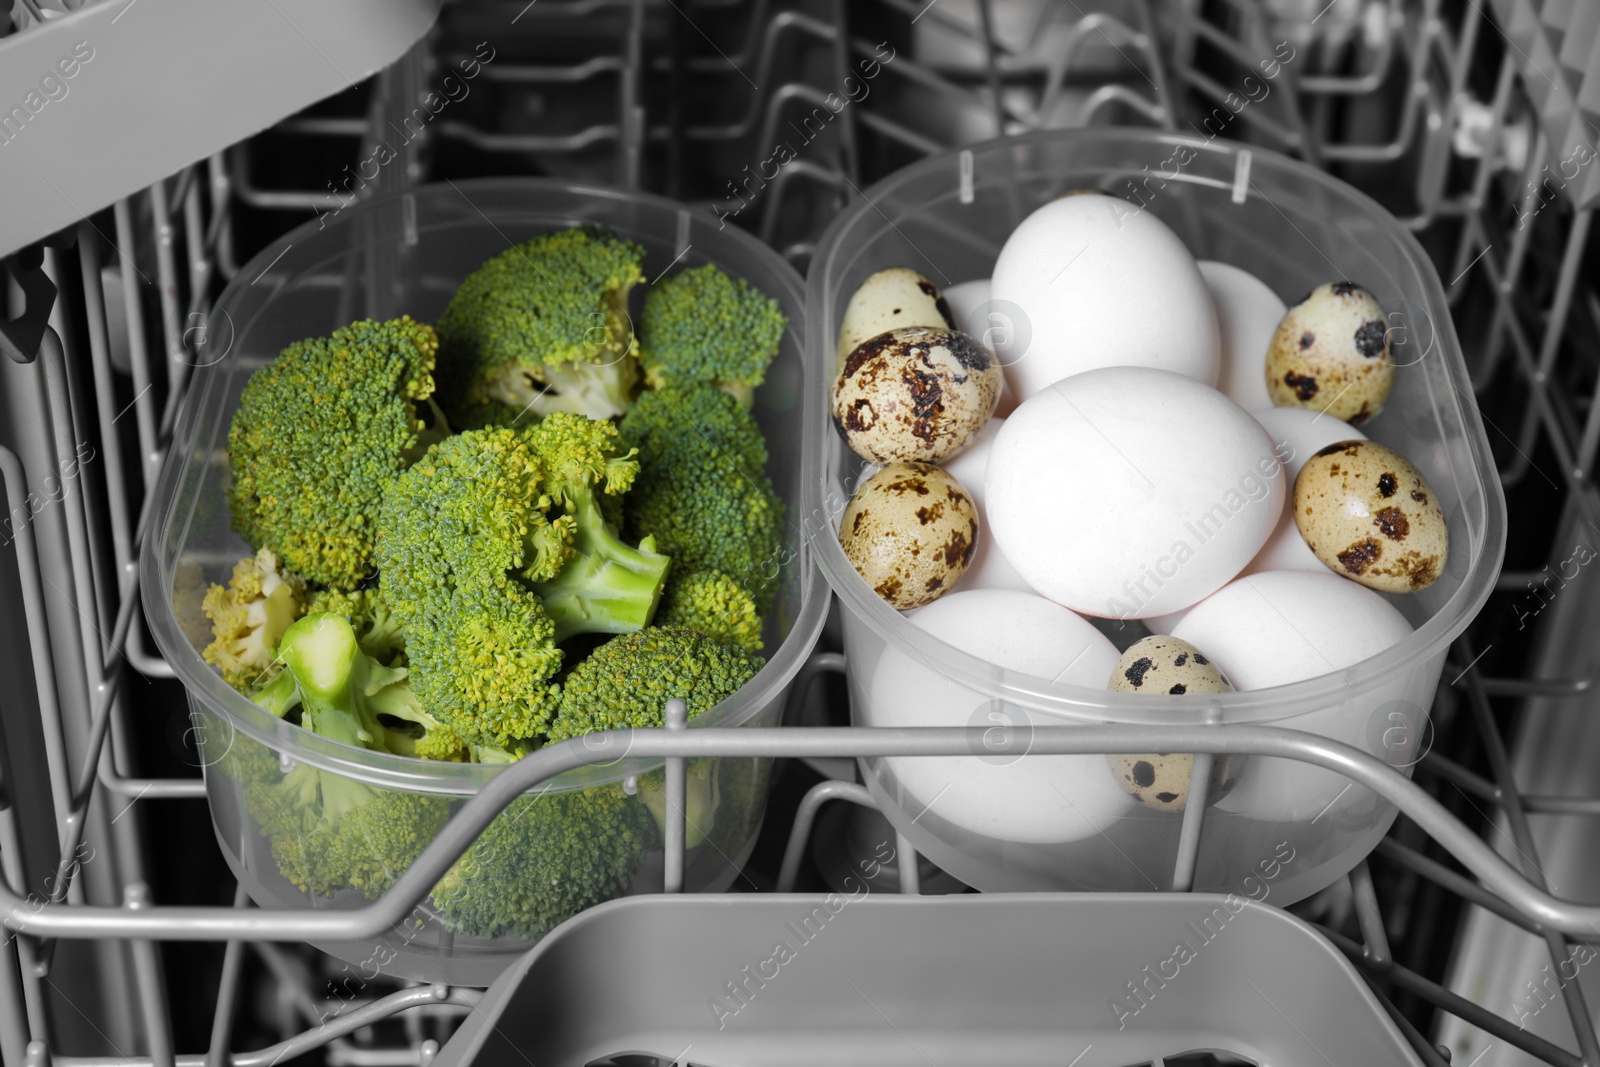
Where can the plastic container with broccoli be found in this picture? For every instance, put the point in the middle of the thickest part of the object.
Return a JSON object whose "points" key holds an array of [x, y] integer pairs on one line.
{"points": [[434, 501]]}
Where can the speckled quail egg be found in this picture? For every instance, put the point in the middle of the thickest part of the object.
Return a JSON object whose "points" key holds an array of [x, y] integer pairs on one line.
{"points": [[1331, 353], [888, 300], [910, 531], [1370, 515], [915, 393], [1160, 780]]}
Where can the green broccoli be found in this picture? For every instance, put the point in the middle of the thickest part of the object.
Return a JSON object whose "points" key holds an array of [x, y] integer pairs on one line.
{"points": [[724, 801], [741, 785], [702, 327], [248, 617], [715, 605], [377, 630], [546, 858], [330, 832], [339, 691], [627, 682], [456, 533], [543, 326], [702, 491], [319, 432], [493, 549], [605, 585]]}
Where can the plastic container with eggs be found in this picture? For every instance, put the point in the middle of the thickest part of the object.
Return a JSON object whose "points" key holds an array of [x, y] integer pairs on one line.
{"points": [[1143, 500]]}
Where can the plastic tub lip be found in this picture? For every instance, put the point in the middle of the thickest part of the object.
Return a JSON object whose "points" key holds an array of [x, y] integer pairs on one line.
{"points": [[206, 686], [1078, 703]]}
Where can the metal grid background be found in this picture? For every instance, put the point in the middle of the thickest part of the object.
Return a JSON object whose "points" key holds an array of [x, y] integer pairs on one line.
{"points": [[1423, 103]]}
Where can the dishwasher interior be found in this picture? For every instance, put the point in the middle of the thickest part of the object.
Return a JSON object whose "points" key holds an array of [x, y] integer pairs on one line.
{"points": [[1472, 121]]}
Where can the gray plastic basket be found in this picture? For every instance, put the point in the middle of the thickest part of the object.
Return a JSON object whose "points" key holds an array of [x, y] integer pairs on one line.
{"points": [[1083, 980]]}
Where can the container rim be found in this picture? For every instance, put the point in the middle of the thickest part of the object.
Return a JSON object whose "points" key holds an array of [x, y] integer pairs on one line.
{"points": [[205, 685], [1079, 702]]}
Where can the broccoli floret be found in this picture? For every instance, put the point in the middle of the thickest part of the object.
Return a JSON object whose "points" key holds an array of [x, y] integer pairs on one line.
{"points": [[546, 858], [544, 326], [702, 799], [628, 680], [320, 431], [248, 617], [338, 690], [702, 327], [377, 629], [371, 705], [715, 605], [627, 683], [742, 786], [702, 490], [329, 832], [457, 532], [605, 585]]}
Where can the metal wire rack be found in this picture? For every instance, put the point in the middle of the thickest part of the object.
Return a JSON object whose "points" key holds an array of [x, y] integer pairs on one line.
{"points": [[1423, 102]]}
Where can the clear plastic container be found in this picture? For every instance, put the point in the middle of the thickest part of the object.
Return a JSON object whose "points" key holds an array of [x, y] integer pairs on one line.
{"points": [[406, 254], [1001, 822]]}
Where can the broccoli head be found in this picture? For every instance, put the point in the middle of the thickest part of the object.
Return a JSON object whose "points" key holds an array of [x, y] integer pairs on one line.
{"points": [[248, 617], [702, 490], [544, 326], [628, 680], [627, 683], [702, 327], [332, 687], [459, 532], [330, 832], [319, 432], [715, 605], [546, 858], [605, 585], [377, 630]]}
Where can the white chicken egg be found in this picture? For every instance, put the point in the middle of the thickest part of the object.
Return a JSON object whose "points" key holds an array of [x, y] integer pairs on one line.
{"points": [[1248, 313], [1280, 627], [1128, 492], [998, 793], [1102, 284], [1297, 434], [989, 568], [977, 316], [1163, 624], [966, 301]]}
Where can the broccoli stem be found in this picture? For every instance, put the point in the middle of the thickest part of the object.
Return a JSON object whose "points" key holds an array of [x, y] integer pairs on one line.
{"points": [[341, 795], [607, 586], [278, 694], [702, 797], [595, 390], [331, 671], [496, 754]]}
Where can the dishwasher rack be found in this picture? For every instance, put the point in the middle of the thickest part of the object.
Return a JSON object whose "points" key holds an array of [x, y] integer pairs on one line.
{"points": [[1459, 148]]}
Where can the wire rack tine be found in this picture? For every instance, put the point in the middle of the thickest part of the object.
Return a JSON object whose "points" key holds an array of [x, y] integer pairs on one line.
{"points": [[1527, 850]]}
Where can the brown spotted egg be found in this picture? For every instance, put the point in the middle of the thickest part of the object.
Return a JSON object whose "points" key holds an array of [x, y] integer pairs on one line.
{"points": [[1368, 514], [910, 531], [915, 393], [887, 301], [1331, 353], [1160, 780]]}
